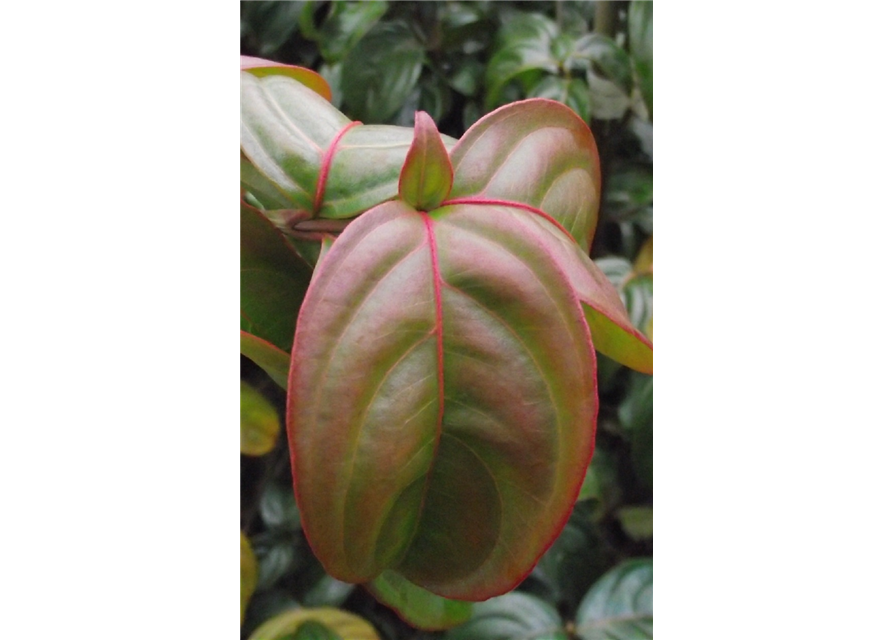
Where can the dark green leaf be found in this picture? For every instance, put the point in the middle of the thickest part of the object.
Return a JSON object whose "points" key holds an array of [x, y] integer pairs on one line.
{"points": [[636, 410], [279, 509], [619, 605], [637, 297], [274, 561], [260, 422], [328, 592], [273, 280], [420, 608], [274, 23], [312, 630], [525, 44], [609, 102], [572, 92], [609, 59], [346, 24], [510, 617], [380, 72], [639, 15]]}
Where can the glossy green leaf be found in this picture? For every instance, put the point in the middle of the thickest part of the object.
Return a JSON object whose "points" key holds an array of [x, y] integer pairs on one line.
{"points": [[273, 280], [274, 560], [427, 175], [346, 24], [328, 592], [380, 72], [619, 605], [609, 102], [442, 399], [511, 617], [536, 152], [278, 508], [273, 22], [418, 607], [608, 57], [260, 422], [640, 45], [262, 68], [248, 574], [638, 298], [273, 360], [340, 624], [313, 630], [524, 44], [572, 92]]}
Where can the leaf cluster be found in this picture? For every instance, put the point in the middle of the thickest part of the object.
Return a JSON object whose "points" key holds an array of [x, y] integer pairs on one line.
{"points": [[457, 61]]}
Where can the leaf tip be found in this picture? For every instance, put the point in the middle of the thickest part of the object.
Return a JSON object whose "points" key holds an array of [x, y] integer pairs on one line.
{"points": [[427, 175]]}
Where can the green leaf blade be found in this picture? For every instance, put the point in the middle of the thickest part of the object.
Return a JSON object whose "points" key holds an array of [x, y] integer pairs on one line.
{"points": [[273, 280], [509, 617], [422, 609], [619, 604], [427, 175]]}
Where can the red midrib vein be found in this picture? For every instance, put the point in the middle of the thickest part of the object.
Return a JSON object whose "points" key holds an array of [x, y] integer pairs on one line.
{"points": [[438, 316], [326, 165], [513, 204]]}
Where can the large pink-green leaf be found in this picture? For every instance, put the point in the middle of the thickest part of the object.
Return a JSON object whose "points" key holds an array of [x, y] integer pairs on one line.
{"points": [[441, 399], [537, 152], [273, 280], [263, 68], [613, 333], [303, 159]]}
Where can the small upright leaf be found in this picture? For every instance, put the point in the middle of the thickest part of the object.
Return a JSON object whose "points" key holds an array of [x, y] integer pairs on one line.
{"points": [[248, 573], [340, 624], [260, 422], [420, 608], [427, 175], [619, 605], [509, 617]]}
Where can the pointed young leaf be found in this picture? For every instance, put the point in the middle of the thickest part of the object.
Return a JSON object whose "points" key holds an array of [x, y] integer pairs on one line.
{"points": [[537, 152], [416, 606], [267, 356], [427, 176], [262, 68], [441, 400], [273, 280]]}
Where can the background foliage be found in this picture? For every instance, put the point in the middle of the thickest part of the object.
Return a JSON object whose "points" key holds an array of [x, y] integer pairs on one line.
{"points": [[457, 61]]}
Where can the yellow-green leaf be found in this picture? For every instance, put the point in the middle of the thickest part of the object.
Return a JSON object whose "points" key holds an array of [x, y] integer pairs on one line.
{"points": [[260, 423], [248, 574], [346, 625]]}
